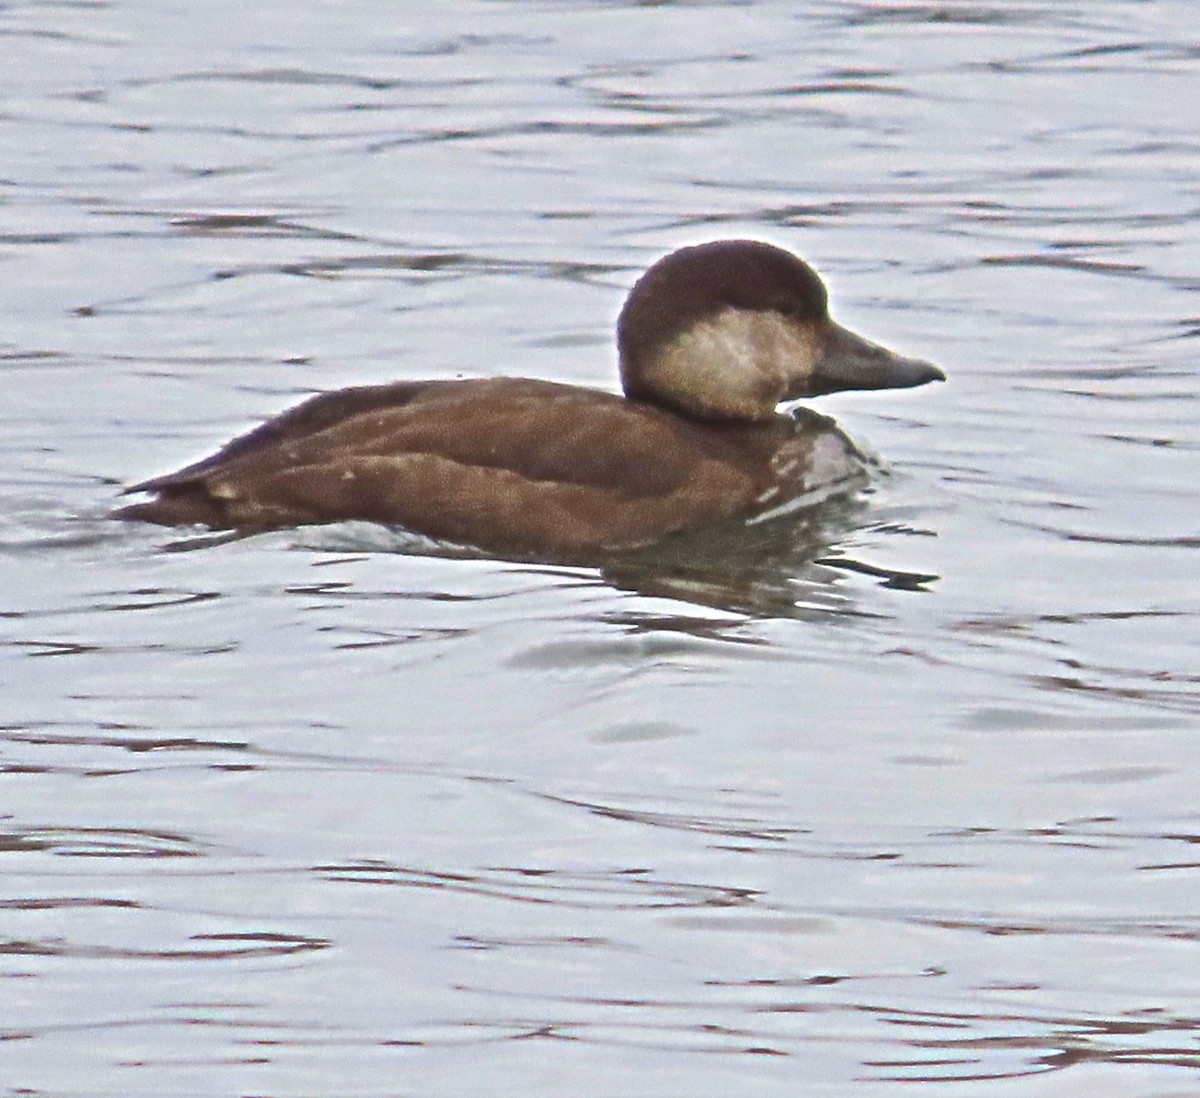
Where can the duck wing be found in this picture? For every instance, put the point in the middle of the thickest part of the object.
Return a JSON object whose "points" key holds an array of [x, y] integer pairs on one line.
{"points": [[513, 464]]}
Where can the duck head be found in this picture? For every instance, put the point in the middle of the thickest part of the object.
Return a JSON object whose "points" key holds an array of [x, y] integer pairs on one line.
{"points": [[730, 329]]}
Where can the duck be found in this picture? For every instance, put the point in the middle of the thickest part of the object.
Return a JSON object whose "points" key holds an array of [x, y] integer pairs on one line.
{"points": [[711, 340]]}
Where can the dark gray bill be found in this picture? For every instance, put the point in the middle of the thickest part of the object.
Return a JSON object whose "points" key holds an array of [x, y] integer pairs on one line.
{"points": [[847, 361]]}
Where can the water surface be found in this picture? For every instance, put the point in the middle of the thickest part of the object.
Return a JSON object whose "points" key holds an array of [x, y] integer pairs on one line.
{"points": [[303, 814]]}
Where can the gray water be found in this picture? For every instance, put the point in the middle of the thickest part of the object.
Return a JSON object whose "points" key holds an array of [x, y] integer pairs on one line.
{"points": [[305, 814]]}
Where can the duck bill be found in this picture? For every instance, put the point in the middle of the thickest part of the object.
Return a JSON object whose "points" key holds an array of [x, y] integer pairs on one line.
{"points": [[847, 361]]}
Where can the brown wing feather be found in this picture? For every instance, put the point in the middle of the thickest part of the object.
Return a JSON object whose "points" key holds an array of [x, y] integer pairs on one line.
{"points": [[509, 463], [302, 422]]}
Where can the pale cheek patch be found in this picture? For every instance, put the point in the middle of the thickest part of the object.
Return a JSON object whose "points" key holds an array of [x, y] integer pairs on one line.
{"points": [[739, 365]]}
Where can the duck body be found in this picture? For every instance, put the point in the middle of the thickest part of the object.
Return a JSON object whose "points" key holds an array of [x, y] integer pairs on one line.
{"points": [[529, 467], [473, 462]]}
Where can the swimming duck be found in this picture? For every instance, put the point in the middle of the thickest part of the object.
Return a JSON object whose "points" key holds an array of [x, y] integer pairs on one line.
{"points": [[711, 339]]}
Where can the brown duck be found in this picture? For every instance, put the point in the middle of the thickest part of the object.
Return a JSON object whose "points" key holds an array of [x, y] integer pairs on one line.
{"points": [[711, 339]]}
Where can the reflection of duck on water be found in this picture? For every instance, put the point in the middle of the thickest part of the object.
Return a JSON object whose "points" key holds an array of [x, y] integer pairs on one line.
{"points": [[711, 339]]}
